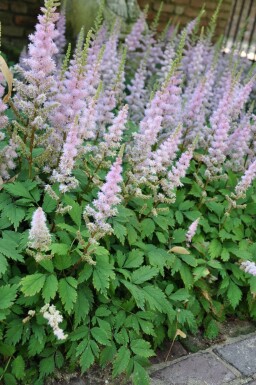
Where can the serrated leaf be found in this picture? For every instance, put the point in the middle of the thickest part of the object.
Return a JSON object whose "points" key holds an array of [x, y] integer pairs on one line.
{"points": [[142, 348], [234, 294], [186, 275], [102, 273], [147, 227], [134, 259], [32, 284], [179, 236], [68, 293], [143, 274], [215, 249], [15, 214], [156, 298], [131, 234], [49, 204], [18, 367], [46, 366], [180, 295], [121, 362], [119, 231], [3, 264], [136, 292], [82, 305], [8, 249], [212, 329], [86, 359], [101, 336], [59, 248], [140, 375], [9, 379], [7, 296], [50, 288], [14, 331], [76, 212], [59, 359], [18, 189]]}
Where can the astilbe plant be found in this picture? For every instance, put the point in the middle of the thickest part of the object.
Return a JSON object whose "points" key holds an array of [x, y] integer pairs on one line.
{"points": [[128, 197]]}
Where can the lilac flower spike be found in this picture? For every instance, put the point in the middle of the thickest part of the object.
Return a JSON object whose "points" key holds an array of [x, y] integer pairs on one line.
{"points": [[249, 267], [173, 179], [246, 180], [113, 137], [108, 198], [191, 231], [3, 106], [39, 235]]}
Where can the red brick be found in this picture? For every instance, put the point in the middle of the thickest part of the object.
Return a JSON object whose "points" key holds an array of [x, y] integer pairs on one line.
{"points": [[179, 10], [6, 18], [167, 8], [192, 12], [197, 3], [180, 2], [4, 5], [25, 21], [13, 31], [18, 7], [144, 3]]}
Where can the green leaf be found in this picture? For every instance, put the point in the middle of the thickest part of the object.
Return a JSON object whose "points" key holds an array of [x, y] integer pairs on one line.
{"points": [[18, 189], [46, 366], [101, 336], [179, 236], [119, 231], [212, 329], [180, 295], [18, 367], [8, 249], [143, 274], [82, 305], [59, 359], [186, 276], [217, 208], [140, 375], [102, 273], [131, 234], [49, 204], [156, 298], [215, 249], [122, 360], [76, 212], [68, 293], [86, 359], [14, 331], [15, 214], [142, 348], [9, 379], [32, 284], [134, 259], [225, 255], [137, 293], [50, 288], [3, 264], [147, 227], [7, 296], [179, 217], [59, 248], [234, 294]]}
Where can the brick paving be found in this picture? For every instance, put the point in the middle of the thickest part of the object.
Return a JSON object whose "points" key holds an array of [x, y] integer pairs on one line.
{"points": [[233, 363]]}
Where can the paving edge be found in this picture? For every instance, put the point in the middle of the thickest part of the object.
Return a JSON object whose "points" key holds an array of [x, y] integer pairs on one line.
{"points": [[239, 381]]}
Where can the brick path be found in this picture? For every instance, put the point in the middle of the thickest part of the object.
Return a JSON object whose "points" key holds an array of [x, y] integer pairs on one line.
{"points": [[233, 363]]}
